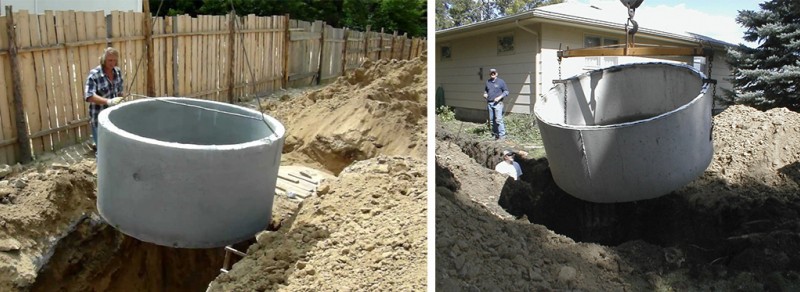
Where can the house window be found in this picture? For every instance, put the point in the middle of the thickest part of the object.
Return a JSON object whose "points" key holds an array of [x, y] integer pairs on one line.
{"points": [[699, 63], [599, 62], [445, 51], [505, 44]]}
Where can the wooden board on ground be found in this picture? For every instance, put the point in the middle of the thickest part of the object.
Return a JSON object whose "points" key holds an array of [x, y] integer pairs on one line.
{"points": [[301, 181]]}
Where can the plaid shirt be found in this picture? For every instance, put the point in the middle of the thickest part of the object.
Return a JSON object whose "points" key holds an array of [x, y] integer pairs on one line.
{"points": [[98, 83]]}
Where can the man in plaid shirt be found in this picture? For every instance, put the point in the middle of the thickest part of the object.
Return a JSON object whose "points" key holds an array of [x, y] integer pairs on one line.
{"points": [[104, 87]]}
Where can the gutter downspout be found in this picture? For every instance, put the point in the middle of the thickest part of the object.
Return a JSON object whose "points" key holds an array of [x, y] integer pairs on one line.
{"points": [[537, 63]]}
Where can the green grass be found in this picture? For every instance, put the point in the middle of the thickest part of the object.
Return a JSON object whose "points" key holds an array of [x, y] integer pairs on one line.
{"points": [[521, 130]]}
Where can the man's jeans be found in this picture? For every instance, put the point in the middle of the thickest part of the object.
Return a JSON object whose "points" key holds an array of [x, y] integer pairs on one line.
{"points": [[94, 132], [496, 118]]}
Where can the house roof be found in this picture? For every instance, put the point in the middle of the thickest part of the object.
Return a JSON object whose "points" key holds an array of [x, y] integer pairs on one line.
{"points": [[588, 15]]}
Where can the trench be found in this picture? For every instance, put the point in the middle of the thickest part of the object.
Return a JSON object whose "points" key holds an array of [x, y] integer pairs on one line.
{"points": [[97, 257], [94, 256], [744, 232]]}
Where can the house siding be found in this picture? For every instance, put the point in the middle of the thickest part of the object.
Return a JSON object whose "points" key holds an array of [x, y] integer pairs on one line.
{"points": [[527, 74], [463, 86]]}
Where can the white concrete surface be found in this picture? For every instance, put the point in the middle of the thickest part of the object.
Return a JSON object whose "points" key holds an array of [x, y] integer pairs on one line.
{"points": [[182, 176]]}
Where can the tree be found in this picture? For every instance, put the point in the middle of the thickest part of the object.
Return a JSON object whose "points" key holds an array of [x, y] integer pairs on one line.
{"points": [[452, 13], [766, 76], [404, 16]]}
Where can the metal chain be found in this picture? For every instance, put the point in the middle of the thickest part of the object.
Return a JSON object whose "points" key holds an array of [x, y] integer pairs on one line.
{"points": [[565, 89], [710, 61]]}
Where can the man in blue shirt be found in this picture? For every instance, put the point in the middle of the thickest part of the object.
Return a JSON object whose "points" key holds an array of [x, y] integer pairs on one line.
{"points": [[494, 92], [103, 87]]}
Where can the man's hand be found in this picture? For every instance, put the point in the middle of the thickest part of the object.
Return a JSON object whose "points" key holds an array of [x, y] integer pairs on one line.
{"points": [[496, 99], [115, 101], [485, 95]]}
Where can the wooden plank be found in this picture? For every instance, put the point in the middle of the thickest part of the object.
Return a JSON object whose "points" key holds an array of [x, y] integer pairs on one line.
{"points": [[74, 79], [635, 51], [184, 45], [63, 94], [168, 58], [150, 61], [140, 62], [209, 60], [158, 55], [285, 51], [206, 59], [87, 62], [27, 78], [194, 58], [25, 151], [47, 27], [270, 64], [68, 126], [229, 59], [40, 69], [7, 154]]}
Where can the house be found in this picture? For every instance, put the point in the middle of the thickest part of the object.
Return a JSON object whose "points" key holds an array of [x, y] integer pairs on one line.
{"points": [[523, 49]]}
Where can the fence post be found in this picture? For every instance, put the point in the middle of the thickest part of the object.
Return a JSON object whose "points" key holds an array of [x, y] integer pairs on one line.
{"points": [[344, 51], [22, 126], [148, 42], [231, 50], [394, 40], [380, 45], [286, 41], [366, 44], [321, 53], [410, 46]]}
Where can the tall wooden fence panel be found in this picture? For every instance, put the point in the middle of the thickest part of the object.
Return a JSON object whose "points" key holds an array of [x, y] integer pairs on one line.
{"points": [[258, 61], [355, 49], [305, 42], [192, 57], [331, 66]]}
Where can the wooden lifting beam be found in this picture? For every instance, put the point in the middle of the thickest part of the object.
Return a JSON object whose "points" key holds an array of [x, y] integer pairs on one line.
{"points": [[640, 51]]}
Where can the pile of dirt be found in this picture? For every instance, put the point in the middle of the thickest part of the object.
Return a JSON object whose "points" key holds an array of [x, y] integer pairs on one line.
{"points": [[757, 148], [379, 108], [365, 231], [39, 207], [734, 228], [52, 239]]}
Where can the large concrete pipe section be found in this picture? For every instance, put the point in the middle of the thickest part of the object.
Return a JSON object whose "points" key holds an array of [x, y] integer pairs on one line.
{"points": [[186, 172], [629, 132]]}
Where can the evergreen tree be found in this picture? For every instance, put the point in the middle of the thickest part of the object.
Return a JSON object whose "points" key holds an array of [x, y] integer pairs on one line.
{"points": [[767, 76]]}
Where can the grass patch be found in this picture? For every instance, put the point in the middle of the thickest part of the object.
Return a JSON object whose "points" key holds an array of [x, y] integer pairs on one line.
{"points": [[521, 131]]}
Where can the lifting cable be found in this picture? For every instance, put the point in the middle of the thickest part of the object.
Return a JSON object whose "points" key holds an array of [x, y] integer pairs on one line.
{"points": [[247, 61]]}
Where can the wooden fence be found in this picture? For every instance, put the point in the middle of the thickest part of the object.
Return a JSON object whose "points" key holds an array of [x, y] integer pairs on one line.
{"points": [[45, 59]]}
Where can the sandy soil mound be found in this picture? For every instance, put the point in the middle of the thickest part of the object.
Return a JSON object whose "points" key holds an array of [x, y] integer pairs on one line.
{"points": [[365, 231], [380, 108], [38, 208], [736, 228], [754, 147]]}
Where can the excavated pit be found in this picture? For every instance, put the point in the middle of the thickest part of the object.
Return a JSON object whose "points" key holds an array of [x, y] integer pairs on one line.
{"points": [[747, 223], [96, 257], [742, 233]]}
